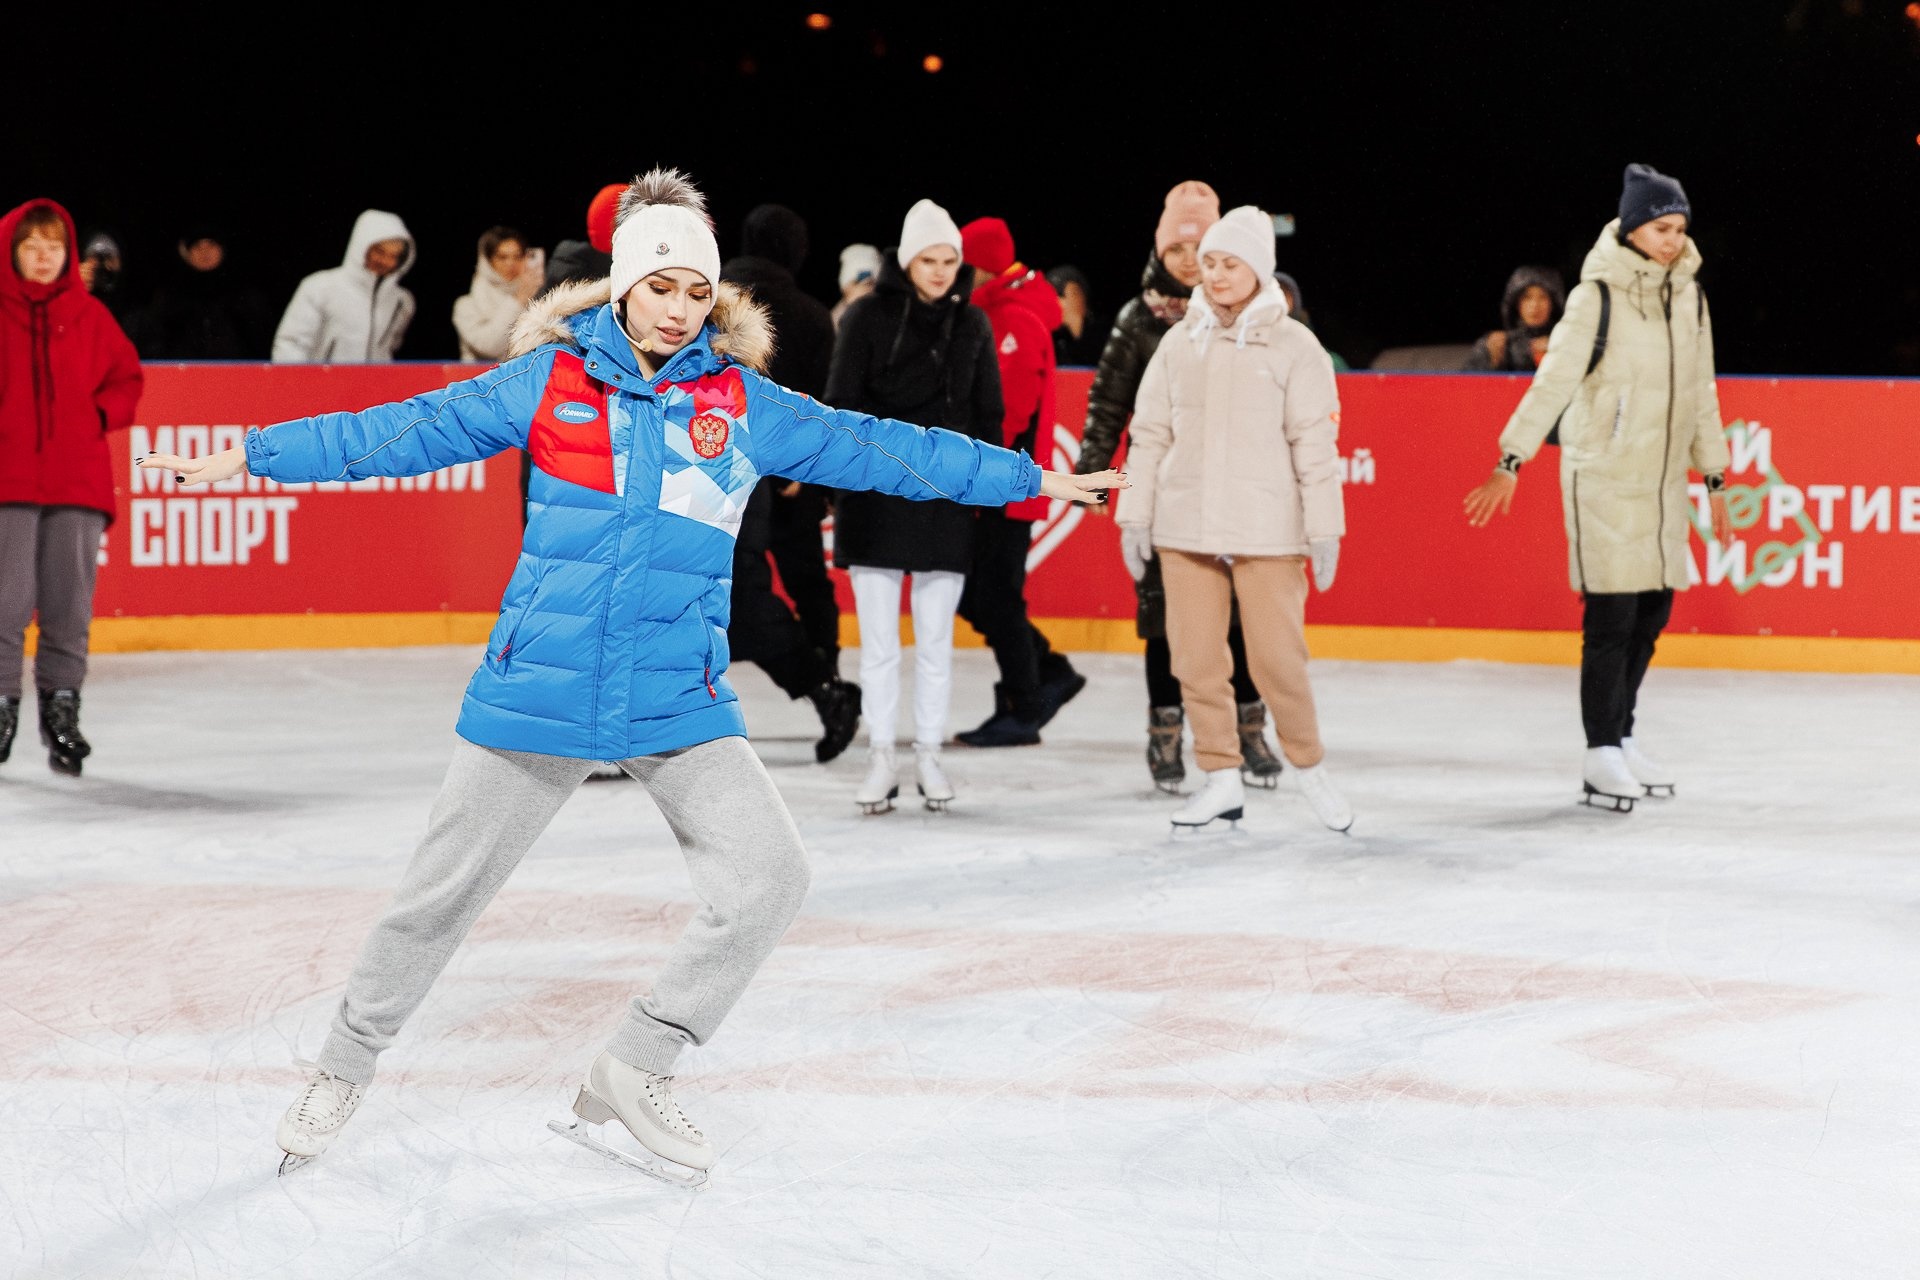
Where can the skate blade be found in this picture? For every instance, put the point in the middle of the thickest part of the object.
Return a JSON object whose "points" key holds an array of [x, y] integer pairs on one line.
{"points": [[1271, 782], [293, 1162], [1659, 790], [1231, 817], [674, 1175], [879, 806], [936, 804], [1603, 800]]}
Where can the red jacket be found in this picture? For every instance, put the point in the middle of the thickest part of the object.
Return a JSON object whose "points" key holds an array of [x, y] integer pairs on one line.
{"points": [[1024, 311], [68, 376]]}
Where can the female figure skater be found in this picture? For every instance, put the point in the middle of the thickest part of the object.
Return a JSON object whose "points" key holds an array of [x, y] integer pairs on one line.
{"points": [[640, 402]]}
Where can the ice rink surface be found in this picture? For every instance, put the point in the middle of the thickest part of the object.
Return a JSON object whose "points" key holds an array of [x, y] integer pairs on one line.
{"points": [[1489, 1034]]}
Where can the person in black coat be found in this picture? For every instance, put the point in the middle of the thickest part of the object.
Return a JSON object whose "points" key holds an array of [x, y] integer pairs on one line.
{"points": [[200, 311], [912, 349], [798, 646]]}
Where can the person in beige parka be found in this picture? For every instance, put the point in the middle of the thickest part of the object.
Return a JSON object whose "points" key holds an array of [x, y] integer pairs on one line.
{"points": [[1631, 425], [1235, 488]]}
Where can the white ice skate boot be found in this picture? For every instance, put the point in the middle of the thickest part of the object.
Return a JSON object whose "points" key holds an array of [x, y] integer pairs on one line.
{"points": [[1328, 804], [316, 1117], [882, 785], [934, 787], [1223, 796], [1647, 771], [1609, 783], [643, 1103]]}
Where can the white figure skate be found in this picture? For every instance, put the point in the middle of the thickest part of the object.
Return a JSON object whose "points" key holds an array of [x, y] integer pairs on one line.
{"points": [[642, 1104], [316, 1116], [1647, 771], [1328, 804], [1223, 796], [935, 790], [1608, 783], [882, 785]]}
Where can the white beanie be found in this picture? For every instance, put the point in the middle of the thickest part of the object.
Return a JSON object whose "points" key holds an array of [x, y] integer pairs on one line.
{"points": [[857, 261], [1247, 234], [927, 224], [662, 222]]}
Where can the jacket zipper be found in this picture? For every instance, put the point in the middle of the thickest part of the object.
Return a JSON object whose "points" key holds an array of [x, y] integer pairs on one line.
{"points": [[1666, 454], [706, 673]]}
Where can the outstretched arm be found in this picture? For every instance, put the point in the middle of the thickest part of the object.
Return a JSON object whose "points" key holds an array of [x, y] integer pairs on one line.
{"points": [[463, 422]]}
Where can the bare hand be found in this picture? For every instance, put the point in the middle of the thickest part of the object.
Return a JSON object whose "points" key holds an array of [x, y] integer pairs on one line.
{"points": [[1722, 521], [1492, 496], [1087, 490], [211, 469]]}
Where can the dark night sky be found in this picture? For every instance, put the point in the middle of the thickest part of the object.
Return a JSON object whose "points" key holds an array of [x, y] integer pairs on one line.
{"points": [[1424, 148]]}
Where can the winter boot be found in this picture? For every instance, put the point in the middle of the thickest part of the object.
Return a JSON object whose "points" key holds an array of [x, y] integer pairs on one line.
{"points": [[60, 730], [932, 779], [838, 702], [1010, 725], [1258, 765], [882, 785], [1328, 804], [1647, 771], [9, 725], [1058, 685], [1607, 782], [1223, 797], [1163, 747]]}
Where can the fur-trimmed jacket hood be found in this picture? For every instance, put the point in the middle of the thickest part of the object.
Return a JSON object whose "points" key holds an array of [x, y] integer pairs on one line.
{"points": [[739, 329]]}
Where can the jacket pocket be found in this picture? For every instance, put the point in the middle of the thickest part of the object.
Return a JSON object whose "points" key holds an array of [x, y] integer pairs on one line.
{"points": [[706, 630]]}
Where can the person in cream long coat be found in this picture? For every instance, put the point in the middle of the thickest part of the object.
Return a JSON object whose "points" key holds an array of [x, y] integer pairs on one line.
{"points": [[1236, 488], [1629, 432]]}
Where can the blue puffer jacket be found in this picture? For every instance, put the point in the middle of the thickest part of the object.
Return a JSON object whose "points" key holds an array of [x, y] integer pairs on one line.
{"points": [[612, 637]]}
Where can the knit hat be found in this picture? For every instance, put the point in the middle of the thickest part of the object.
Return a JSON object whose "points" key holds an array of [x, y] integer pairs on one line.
{"points": [[1646, 194], [1191, 208], [600, 216], [1247, 234], [927, 224], [858, 262], [986, 243], [662, 222]]}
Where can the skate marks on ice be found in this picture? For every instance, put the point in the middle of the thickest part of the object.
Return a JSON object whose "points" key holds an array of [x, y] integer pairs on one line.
{"points": [[1166, 1015]]}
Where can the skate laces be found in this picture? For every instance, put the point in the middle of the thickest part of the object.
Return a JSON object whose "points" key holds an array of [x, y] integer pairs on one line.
{"points": [[664, 1105], [326, 1100]]}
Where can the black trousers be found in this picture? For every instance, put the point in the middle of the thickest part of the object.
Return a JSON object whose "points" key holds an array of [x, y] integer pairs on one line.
{"points": [[1617, 635], [765, 630], [994, 603], [800, 554], [1164, 691]]}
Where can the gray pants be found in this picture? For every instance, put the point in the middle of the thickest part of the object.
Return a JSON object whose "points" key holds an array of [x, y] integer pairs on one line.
{"points": [[48, 559], [742, 852]]}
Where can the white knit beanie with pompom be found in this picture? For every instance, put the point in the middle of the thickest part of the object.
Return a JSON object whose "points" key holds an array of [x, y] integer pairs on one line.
{"points": [[662, 222]]}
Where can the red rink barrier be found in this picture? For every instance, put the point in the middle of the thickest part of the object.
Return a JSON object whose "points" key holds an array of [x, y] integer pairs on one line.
{"points": [[1825, 490]]}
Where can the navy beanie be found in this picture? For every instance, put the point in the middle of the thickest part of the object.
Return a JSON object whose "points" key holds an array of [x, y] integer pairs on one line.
{"points": [[1646, 194]]}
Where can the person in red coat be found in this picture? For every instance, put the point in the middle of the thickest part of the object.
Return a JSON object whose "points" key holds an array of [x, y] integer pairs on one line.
{"points": [[1024, 310], [68, 376]]}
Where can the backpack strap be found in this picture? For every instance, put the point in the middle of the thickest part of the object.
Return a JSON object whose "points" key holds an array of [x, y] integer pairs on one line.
{"points": [[1600, 333], [1599, 349]]}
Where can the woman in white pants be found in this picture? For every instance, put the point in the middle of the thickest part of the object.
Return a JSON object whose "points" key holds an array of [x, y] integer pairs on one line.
{"points": [[913, 349]]}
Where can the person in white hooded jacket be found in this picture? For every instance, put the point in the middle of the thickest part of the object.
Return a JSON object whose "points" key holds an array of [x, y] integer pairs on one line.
{"points": [[1236, 491], [1628, 379], [357, 312], [507, 275]]}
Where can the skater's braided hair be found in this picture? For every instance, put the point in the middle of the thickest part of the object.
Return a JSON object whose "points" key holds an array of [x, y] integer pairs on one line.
{"points": [[662, 222]]}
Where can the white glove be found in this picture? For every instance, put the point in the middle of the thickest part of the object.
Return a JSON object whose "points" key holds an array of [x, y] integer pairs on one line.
{"points": [[1325, 555], [1136, 548]]}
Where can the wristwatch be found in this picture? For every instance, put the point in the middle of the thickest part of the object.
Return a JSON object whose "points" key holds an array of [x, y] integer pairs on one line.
{"points": [[1716, 481], [1509, 463]]}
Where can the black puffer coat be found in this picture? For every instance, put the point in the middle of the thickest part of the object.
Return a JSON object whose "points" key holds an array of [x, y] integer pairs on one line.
{"points": [[928, 363], [1123, 361], [1136, 336]]}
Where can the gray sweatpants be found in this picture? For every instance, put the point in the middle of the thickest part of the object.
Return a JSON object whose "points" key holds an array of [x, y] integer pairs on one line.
{"points": [[742, 852], [49, 557]]}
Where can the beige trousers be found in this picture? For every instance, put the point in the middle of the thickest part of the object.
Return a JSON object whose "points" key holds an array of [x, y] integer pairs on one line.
{"points": [[1273, 611]]}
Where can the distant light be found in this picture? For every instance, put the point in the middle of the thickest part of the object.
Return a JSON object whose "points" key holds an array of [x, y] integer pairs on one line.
{"points": [[931, 63], [1913, 11], [818, 22]]}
